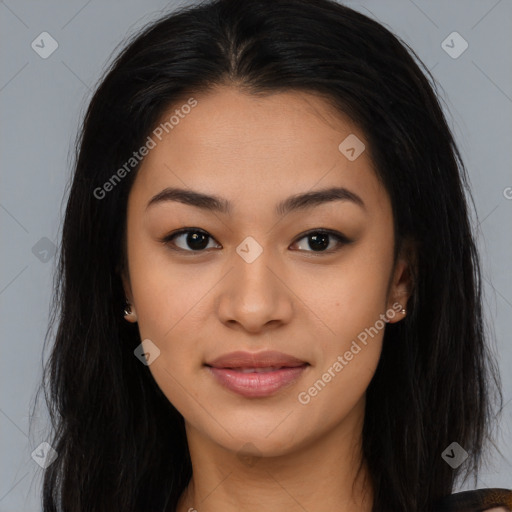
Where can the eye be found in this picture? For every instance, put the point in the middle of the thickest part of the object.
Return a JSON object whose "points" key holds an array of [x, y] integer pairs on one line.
{"points": [[196, 239], [319, 241]]}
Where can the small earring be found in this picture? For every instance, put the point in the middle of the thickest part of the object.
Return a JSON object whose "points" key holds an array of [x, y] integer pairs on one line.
{"points": [[127, 312], [403, 311], [127, 309]]}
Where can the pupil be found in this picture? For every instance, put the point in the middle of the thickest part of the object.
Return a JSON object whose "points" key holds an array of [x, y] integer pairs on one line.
{"points": [[319, 241], [197, 241]]}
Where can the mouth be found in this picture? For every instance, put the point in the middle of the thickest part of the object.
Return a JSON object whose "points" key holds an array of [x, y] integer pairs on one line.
{"points": [[257, 382], [256, 374]]}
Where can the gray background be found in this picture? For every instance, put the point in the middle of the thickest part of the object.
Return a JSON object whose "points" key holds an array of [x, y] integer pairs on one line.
{"points": [[41, 101]]}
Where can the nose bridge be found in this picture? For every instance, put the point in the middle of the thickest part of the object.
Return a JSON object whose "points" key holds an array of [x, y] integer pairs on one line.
{"points": [[252, 267], [253, 295]]}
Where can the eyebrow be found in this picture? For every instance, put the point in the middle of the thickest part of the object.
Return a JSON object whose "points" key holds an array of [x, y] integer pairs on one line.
{"points": [[218, 204]]}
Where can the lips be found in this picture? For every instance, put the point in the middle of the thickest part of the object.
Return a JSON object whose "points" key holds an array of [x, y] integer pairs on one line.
{"points": [[259, 362], [256, 375]]}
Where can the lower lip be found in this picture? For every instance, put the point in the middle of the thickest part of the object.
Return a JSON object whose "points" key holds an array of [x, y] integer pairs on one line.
{"points": [[257, 384]]}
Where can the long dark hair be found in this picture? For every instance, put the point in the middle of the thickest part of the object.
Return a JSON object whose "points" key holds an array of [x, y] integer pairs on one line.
{"points": [[121, 445]]}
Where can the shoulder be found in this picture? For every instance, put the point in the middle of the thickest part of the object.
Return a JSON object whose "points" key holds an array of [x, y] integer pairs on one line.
{"points": [[477, 501]]}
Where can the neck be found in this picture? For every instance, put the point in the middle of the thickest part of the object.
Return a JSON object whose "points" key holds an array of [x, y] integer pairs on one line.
{"points": [[319, 476]]}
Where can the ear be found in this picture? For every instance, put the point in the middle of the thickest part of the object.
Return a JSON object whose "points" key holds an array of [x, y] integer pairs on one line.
{"points": [[403, 279], [125, 279]]}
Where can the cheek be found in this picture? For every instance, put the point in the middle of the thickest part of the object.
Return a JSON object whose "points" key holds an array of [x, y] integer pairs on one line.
{"points": [[353, 295], [348, 355], [163, 293], [171, 304], [351, 305]]}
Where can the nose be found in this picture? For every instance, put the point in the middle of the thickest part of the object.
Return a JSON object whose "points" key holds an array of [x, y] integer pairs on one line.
{"points": [[255, 295]]}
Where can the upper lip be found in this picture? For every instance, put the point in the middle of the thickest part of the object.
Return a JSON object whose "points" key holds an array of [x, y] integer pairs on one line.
{"points": [[269, 358]]}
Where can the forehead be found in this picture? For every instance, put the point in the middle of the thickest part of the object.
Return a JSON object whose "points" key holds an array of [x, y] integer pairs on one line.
{"points": [[253, 148], [227, 120]]}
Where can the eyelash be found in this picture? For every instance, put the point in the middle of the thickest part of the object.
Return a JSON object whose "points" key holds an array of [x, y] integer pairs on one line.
{"points": [[339, 237]]}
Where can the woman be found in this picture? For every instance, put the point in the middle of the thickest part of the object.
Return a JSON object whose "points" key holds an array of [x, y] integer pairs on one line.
{"points": [[269, 287]]}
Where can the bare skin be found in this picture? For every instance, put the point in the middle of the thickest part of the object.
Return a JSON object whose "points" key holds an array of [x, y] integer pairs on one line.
{"points": [[275, 452]]}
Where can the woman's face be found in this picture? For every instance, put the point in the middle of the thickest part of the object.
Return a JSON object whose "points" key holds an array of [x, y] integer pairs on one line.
{"points": [[255, 276]]}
